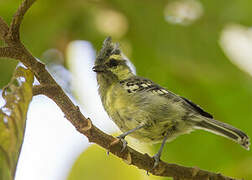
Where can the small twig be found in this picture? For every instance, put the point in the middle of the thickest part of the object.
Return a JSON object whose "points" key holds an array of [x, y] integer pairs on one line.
{"points": [[3, 29], [17, 19]]}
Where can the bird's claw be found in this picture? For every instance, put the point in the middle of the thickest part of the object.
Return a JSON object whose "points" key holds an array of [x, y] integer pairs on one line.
{"points": [[124, 142], [157, 159], [147, 173], [119, 138]]}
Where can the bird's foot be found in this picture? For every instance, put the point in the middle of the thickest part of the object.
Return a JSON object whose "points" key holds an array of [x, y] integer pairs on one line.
{"points": [[156, 158], [124, 142], [118, 140]]}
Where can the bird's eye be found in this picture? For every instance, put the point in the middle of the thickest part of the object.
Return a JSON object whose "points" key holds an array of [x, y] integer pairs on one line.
{"points": [[113, 63]]}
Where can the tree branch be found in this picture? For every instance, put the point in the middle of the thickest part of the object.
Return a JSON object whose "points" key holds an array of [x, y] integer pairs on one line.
{"points": [[3, 29], [10, 52], [50, 88], [17, 19], [44, 90]]}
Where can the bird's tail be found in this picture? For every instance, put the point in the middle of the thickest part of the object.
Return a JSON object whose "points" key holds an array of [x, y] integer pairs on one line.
{"points": [[225, 130]]}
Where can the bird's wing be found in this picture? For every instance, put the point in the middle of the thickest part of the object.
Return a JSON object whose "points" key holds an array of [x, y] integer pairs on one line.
{"points": [[139, 84], [197, 108]]}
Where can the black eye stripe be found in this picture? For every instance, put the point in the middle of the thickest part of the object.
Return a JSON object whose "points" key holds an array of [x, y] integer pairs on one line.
{"points": [[113, 62]]}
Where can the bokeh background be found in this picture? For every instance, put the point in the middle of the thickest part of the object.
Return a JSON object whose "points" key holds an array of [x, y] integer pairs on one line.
{"points": [[200, 49]]}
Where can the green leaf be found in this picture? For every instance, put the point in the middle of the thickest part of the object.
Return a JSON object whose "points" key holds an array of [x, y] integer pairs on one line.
{"points": [[17, 95]]}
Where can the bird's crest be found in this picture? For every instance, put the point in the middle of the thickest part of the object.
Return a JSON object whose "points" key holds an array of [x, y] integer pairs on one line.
{"points": [[108, 48]]}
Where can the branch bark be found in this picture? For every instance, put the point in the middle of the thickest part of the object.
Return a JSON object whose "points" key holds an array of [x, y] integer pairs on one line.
{"points": [[17, 19], [10, 52], [44, 90], [3, 29], [51, 89]]}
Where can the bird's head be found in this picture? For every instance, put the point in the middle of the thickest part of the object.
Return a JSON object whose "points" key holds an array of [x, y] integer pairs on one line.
{"points": [[110, 61]]}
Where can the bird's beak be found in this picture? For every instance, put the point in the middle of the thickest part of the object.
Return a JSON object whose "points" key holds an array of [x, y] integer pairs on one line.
{"points": [[98, 68]]}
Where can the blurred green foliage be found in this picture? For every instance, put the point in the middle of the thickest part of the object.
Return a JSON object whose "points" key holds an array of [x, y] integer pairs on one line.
{"points": [[186, 59], [94, 164]]}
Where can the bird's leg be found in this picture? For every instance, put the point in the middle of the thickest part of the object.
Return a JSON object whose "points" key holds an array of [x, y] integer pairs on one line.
{"points": [[158, 155], [122, 136]]}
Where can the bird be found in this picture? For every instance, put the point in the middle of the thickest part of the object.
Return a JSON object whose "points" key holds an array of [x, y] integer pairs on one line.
{"points": [[147, 111]]}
